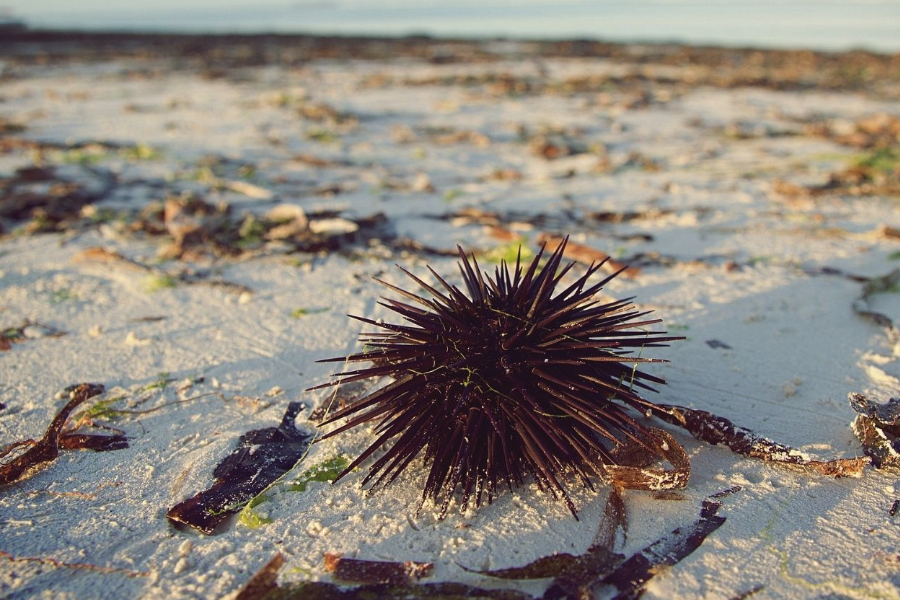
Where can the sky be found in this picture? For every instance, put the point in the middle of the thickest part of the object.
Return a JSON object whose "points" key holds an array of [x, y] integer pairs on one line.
{"points": [[817, 24]]}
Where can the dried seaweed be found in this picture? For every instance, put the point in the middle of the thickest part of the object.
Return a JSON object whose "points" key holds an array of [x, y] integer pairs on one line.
{"points": [[376, 571], [714, 430], [321, 590], [261, 457], [878, 428], [574, 576], [47, 448], [263, 586], [264, 581], [27, 197], [632, 575]]}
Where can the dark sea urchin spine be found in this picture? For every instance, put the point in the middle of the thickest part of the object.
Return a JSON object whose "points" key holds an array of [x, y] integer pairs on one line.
{"points": [[504, 381]]}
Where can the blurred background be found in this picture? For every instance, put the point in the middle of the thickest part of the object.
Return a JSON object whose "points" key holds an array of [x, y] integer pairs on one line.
{"points": [[815, 24]]}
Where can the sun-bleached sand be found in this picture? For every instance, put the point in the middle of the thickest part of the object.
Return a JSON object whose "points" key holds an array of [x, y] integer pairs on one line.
{"points": [[729, 190]]}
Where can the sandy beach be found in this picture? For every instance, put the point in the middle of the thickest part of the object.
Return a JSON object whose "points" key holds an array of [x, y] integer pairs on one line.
{"points": [[188, 221]]}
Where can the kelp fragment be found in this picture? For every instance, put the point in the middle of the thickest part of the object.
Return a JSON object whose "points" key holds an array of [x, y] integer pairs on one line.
{"points": [[632, 575], [575, 576], [748, 593], [322, 590], [878, 428], [47, 448], [264, 582], [263, 586], [710, 428], [376, 571], [261, 457]]}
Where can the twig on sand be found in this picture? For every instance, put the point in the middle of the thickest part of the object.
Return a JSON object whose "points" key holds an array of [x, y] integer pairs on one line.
{"points": [[43, 560]]}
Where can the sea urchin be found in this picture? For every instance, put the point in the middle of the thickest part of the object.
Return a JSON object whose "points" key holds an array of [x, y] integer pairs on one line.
{"points": [[513, 378]]}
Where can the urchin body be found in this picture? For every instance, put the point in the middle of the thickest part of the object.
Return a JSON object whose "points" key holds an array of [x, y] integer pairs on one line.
{"points": [[512, 378]]}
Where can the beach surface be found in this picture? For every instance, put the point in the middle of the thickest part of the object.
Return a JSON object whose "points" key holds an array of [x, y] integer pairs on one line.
{"points": [[188, 221]]}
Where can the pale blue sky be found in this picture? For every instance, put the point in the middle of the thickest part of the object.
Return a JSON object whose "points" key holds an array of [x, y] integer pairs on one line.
{"points": [[818, 24]]}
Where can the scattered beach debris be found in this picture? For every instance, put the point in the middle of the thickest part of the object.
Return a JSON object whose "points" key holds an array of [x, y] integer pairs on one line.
{"points": [[592, 177], [880, 130], [43, 451], [878, 428], [261, 457], [43, 200]]}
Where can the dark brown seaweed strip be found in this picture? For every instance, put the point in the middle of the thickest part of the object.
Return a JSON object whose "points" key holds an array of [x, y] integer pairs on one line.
{"points": [[542, 568], [574, 576], [98, 443], [264, 582], [376, 571], [579, 579], [47, 448], [710, 428], [261, 457], [748, 593], [727, 492], [322, 590], [629, 578], [614, 518]]}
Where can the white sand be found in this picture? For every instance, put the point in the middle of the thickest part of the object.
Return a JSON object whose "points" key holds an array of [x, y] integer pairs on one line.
{"points": [[797, 348]]}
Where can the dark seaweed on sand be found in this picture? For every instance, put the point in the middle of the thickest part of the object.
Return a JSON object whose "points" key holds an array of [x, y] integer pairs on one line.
{"points": [[261, 457], [45, 450], [575, 577]]}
